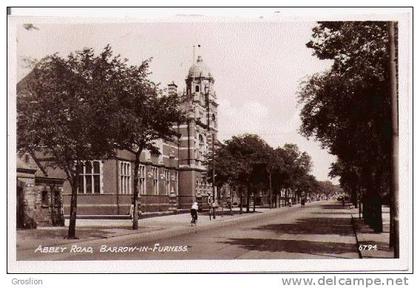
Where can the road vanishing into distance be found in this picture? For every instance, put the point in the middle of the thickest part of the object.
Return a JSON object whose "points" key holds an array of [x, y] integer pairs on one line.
{"points": [[320, 230]]}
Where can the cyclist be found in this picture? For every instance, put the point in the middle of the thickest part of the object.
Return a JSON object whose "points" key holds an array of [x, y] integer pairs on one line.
{"points": [[194, 213]]}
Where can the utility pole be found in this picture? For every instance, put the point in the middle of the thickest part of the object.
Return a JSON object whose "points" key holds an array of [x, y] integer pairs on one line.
{"points": [[271, 190], [395, 234], [213, 175]]}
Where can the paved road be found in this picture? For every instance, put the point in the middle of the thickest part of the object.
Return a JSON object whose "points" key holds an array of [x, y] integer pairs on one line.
{"points": [[318, 230]]}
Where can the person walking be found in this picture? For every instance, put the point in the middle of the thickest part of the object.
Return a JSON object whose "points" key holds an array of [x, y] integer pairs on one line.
{"points": [[194, 213], [210, 202], [214, 206]]}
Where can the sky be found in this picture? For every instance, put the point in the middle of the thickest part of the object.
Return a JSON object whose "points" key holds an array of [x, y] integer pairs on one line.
{"points": [[257, 68]]}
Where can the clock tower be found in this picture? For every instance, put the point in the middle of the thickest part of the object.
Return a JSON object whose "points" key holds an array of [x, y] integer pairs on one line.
{"points": [[198, 136]]}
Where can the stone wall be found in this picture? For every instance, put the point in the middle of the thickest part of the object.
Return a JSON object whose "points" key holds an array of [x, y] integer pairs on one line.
{"points": [[38, 201]]}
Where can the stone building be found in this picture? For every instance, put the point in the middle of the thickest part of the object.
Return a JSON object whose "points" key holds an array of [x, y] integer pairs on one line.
{"points": [[38, 198]]}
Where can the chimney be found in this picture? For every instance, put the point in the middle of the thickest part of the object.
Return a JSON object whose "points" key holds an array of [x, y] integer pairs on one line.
{"points": [[172, 88]]}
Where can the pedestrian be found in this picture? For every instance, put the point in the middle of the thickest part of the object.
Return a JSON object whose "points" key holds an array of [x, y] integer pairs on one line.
{"points": [[214, 206], [210, 202], [194, 213], [290, 202]]}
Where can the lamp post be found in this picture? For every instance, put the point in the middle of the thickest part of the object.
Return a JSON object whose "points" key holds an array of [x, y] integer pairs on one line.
{"points": [[213, 175], [395, 228]]}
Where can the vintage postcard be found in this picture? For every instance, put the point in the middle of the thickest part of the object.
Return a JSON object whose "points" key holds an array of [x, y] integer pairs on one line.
{"points": [[209, 140]]}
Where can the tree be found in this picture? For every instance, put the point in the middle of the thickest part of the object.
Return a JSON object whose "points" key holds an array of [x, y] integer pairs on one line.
{"points": [[297, 165], [349, 179], [242, 161], [329, 189], [144, 116], [248, 161], [348, 107], [63, 113]]}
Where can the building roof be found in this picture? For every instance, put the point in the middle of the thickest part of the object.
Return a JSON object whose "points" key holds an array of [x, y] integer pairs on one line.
{"points": [[23, 167], [21, 164], [199, 69]]}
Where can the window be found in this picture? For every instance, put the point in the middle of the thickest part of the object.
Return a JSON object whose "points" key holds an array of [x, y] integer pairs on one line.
{"points": [[57, 199], [175, 178], [168, 181], [197, 88], [90, 177], [125, 177], [44, 198], [155, 175], [142, 180]]}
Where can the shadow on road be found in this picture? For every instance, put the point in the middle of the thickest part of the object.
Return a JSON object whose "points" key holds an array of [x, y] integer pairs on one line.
{"points": [[332, 206], [333, 213], [337, 226], [334, 221], [292, 246]]}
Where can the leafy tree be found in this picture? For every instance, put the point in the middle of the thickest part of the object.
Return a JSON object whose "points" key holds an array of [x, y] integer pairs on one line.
{"points": [[84, 107], [329, 189], [242, 161], [63, 113], [349, 178], [296, 166], [144, 116], [348, 107], [248, 161]]}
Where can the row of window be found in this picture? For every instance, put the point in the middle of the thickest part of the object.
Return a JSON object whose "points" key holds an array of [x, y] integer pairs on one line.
{"points": [[91, 178]]}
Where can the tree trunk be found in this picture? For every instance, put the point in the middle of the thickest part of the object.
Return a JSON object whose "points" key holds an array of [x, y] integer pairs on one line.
{"points": [[360, 201], [354, 196], [240, 200], [231, 201], [248, 197], [270, 192], [373, 214], [73, 205], [135, 192], [255, 197]]}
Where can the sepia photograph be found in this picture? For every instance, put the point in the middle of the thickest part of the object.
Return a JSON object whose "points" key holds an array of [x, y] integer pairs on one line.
{"points": [[210, 140]]}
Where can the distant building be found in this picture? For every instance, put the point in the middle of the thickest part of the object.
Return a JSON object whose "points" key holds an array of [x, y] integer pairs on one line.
{"points": [[168, 182]]}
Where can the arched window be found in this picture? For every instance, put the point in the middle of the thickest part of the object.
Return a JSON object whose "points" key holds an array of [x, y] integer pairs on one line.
{"points": [[197, 88]]}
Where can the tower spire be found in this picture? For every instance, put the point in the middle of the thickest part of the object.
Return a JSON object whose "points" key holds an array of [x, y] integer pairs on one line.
{"points": [[194, 57]]}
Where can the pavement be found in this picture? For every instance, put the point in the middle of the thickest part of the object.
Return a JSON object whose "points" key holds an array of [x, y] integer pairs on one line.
{"points": [[94, 229], [320, 230], [371, 244]]}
